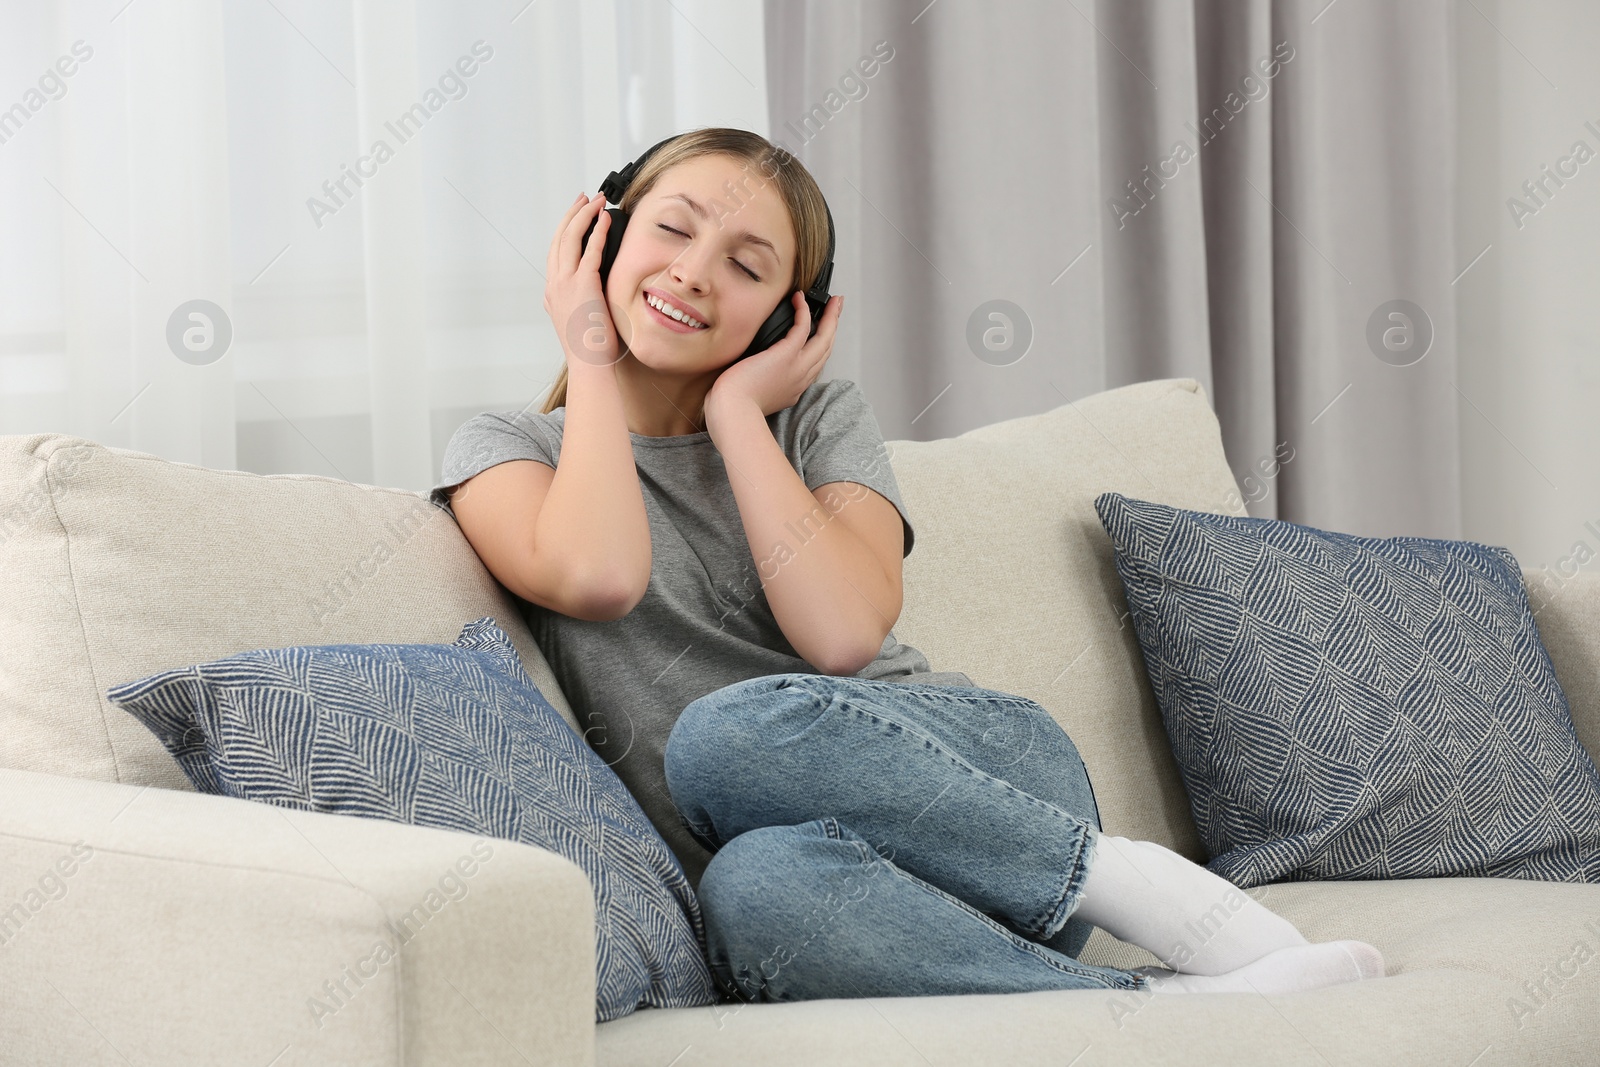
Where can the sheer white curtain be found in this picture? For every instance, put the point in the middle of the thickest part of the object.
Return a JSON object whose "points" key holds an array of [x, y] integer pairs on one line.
{"points": [[367, 190]]}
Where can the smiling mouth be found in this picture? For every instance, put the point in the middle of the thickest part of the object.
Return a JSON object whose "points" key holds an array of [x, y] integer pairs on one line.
{"points": [[686, 324]]}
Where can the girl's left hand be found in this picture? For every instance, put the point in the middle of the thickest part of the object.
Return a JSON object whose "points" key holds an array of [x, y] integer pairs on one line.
{"points": [[775, 377]]}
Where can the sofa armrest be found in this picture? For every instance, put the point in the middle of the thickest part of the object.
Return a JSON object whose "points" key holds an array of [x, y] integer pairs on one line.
{"points": [[144, 925], [1567, 612]]}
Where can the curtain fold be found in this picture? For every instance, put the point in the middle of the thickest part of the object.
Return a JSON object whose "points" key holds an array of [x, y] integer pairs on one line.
{"points": [[1228, 190], [393, 245]]}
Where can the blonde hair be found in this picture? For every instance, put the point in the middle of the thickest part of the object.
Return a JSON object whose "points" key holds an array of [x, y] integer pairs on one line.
{"points": [[807, 210]]}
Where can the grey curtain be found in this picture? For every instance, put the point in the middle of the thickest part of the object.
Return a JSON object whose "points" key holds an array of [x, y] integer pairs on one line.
{"points": [[1258, 194]]}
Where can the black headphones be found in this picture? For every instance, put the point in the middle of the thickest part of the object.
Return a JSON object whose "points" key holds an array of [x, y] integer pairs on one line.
{"points": [[779, 323]]}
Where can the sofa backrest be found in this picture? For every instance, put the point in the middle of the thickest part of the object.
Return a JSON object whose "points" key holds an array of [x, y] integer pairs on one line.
{"points": [[116, 564], [1012, 579]]}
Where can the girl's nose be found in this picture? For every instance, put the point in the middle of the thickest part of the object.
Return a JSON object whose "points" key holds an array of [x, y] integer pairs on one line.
{"points": [[689, 269]]}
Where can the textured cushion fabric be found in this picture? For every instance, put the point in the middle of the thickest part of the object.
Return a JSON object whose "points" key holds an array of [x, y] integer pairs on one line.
{"points": [[1012, 581], [1355, 707], [450, 736], [116, 564]]}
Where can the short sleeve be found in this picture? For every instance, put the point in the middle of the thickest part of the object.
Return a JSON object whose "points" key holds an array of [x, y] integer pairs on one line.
{"points": [[838, 440], [492, 438]]}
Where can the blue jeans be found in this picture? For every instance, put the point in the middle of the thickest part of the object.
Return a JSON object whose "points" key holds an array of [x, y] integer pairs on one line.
{"points": [[886, 839]]}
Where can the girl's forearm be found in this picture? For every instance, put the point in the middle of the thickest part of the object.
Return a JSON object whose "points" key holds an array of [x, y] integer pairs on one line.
{"points": [[826, 589], [593, 518]]}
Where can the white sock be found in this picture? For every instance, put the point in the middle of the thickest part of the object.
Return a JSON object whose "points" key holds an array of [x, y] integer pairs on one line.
{"points": [[1288, 970], [1191, 920]]}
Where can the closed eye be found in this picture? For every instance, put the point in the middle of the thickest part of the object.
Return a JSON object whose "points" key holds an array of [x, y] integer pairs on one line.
{"points": [[736, 263]]}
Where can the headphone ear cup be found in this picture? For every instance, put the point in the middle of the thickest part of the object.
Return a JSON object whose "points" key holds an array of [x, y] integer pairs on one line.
{"points": [[780, 322], [772, 330], [817, 307], [614, 232]]}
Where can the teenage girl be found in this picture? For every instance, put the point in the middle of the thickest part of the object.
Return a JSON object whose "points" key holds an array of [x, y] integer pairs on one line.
{"points": [[709, 544]]}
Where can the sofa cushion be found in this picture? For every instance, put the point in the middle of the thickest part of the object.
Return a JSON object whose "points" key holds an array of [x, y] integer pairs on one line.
{"points": [[1355, 707], [1480, 972], [1013, 582], [116, 564], [451, 736]]}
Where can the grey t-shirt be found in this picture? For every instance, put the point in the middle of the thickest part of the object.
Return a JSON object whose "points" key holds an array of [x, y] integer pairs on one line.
{"points": [[704, 622]]}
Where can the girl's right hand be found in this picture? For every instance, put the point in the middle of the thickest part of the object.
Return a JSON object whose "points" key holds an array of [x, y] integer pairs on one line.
{"points": [[573, 295]]}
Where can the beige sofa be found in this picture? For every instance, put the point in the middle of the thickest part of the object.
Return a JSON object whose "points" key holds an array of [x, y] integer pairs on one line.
{"points": [[143, 923]]}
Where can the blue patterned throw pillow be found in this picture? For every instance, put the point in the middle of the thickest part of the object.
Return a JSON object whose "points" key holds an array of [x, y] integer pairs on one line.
{"points": [[1346, 707], [450, 736]]}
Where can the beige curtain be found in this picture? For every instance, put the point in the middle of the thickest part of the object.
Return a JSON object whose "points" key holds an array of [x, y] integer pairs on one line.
{"points": [[1236, 191]]}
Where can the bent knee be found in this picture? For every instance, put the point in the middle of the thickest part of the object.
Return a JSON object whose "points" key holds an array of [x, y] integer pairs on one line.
{"points": [[764, 862], [770, 899], [727, 727], [742, 871]]}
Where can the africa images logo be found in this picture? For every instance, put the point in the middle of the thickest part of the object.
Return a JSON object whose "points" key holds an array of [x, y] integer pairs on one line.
{"points": [[1142, 191], [405, 126]]}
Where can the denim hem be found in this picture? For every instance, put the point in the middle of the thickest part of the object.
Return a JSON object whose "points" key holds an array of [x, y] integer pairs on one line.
{"points": [[1072, 892], [1133, 981], [1122, 979], [1055, 914]]}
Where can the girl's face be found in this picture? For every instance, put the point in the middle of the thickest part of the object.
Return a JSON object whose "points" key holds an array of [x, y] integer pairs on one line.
{"points": [[726, 265]]}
